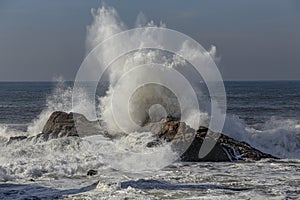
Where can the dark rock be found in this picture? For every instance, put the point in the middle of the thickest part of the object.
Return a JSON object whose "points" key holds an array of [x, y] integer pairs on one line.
{"points": [[151, 184], [61, 124], [225, 148], [91, 172], [16, 139]]}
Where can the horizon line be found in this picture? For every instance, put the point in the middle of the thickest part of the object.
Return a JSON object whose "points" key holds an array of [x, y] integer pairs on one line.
{"points": [[229, 80]]}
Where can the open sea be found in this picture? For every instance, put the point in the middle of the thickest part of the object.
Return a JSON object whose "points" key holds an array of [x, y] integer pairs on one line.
{"points": [[266, 114]]}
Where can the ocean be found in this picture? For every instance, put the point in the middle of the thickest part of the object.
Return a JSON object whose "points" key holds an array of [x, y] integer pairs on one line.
{"points": [[266, 114]]}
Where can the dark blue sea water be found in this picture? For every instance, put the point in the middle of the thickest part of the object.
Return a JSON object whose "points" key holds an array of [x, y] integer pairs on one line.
{"points": [[21, 102], [254, 102], [257, 102]]}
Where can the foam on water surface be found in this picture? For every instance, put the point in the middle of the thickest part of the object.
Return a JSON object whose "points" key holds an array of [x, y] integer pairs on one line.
{"points": [[58, 167]]}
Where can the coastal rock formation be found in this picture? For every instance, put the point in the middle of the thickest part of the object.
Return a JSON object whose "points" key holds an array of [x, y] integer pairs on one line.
{"points": [[225, 148], [61, 124]]}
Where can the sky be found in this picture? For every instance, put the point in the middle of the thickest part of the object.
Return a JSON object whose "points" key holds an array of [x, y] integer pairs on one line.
{"points": [[255, 39]]}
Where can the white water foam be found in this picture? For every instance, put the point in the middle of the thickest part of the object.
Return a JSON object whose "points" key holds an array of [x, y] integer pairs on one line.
{"points": [[70, 156], [278, 137]]}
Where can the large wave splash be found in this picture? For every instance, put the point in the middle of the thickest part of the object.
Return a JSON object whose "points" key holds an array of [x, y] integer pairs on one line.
{"points": [[145, 99], [107, 23], [278, 137]]}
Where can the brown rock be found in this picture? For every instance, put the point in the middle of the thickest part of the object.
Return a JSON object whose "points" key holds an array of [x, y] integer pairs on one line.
{"points": [[225, 149], [61, 124]]}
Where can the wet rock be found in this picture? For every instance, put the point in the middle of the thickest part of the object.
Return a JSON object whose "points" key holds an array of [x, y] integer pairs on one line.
{"points": [[91, 172], [16, 139], [225, 148], [59, 124], [62, 124]]}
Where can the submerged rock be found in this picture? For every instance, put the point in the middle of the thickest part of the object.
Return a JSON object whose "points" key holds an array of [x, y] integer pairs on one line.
{"points": [[162, 185], [91, 172], [16, 139]]}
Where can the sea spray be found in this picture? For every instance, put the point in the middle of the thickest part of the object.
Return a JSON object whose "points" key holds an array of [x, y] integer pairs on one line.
{"points": [[60, 99], [278, 137], [74, 156], [275, 137], [108, 23]]}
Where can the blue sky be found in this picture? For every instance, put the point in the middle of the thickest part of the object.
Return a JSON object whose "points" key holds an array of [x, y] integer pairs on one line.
{"points": [[256, 40]]}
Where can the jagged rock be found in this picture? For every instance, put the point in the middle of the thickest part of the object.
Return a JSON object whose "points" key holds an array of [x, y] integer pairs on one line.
{"points": [[225, 148], [62, 124], [216, 154], [91, 172]]}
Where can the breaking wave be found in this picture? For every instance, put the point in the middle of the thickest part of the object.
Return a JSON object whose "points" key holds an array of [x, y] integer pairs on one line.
{"points": [[74, 156]]}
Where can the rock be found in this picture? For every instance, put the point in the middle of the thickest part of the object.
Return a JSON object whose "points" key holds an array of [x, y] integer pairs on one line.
{"points": [[59, 124], [217, 154], [150, 184], [16, 139], [225, 148], [91, 172], [62, 124]]}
